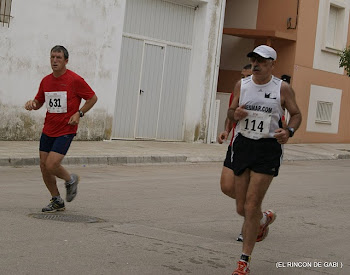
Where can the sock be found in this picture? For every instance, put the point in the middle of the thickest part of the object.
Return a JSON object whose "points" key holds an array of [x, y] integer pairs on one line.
{"points": [[263, 219], [245, 258], [58, 198]]}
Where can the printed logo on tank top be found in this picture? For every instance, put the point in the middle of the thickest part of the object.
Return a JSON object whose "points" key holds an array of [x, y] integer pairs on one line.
{"points": [[258, 108], [270, 95]]}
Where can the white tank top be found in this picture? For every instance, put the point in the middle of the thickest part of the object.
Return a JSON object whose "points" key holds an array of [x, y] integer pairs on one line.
{"points": [[263, 103]]}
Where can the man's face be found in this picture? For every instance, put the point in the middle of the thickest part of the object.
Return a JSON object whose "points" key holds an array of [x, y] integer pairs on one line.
{"points": [[58, 62], [261, 66]]}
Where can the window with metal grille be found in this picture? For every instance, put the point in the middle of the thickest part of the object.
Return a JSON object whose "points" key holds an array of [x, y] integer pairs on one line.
{"points": [[324, 112], [5, 12]]}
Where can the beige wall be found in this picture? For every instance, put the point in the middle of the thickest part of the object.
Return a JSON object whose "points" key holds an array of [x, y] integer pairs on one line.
{"points": [[273, 14], [297, 59], [305, 75], [307, 24]]}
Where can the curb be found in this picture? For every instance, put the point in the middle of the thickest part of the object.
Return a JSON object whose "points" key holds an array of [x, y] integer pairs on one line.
{"points": [[118, 160], [96, 160]]}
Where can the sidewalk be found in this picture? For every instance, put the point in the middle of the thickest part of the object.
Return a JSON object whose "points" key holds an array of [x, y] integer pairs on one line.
{"points": [[23, 153]]}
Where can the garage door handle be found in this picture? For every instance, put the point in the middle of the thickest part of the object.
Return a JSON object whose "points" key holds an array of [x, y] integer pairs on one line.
{"points": [[141, 91]]}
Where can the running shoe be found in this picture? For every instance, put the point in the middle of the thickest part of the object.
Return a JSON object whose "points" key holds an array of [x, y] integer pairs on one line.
{"points": [[264, 229], [240, 238], [242, 269], [54, 206], [72, 188]]}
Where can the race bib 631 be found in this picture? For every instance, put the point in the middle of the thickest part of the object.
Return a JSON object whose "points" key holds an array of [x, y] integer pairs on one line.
{"points": [[56, 102]]}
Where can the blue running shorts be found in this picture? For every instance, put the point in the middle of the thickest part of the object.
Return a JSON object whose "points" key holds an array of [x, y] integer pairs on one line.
{"points": [[59, 144]]}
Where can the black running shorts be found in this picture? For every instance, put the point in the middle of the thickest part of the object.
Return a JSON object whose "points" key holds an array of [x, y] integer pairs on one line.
{"points": [[261, 156], [228, 163]]}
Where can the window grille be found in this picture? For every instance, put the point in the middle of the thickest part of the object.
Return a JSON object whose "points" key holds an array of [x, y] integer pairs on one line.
{"points": [[324, 112], [5, 12]]}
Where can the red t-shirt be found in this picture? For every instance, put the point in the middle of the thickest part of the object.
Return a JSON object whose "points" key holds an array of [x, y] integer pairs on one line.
{"points": [[75, 88]]}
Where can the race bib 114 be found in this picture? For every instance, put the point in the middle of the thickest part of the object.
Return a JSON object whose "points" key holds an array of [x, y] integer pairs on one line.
{"points": [[256, 125], [56, 102]]}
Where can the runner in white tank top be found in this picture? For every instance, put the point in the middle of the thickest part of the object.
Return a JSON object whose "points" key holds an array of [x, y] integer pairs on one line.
{"points": [[263, 104], [257, 107]]}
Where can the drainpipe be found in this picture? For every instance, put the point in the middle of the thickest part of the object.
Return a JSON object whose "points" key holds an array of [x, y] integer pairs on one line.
{"points": [[211, 123], [289, 20]]}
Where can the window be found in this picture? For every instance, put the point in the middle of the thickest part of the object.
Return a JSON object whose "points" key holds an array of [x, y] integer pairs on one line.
{"points": [[324, 112], [335, 33], [5, 11]]}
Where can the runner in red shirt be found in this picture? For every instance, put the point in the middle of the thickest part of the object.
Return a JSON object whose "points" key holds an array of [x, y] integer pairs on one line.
{"points": [[61, 92], [227, 182]]}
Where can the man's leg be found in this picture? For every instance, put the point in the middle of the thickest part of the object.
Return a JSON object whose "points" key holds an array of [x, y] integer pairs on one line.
{"points": [[258, 186], [241, 188], [227, 182], [49, 178], [241, 191], [54, 167], [56, 203]]}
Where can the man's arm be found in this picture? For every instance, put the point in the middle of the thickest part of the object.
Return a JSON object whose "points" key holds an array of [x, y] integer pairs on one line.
{"points": [[33, 105], [236, 112], [74, 119], [288, 101], [224, 134], [291, 105], [89, 104]]}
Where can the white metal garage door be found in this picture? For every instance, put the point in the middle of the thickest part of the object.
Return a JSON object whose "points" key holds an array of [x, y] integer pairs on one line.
{"points": [[153, 72]]}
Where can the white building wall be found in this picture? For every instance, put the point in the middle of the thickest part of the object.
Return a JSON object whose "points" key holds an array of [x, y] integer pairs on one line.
{"points": [[200, 101], [92, 32]]}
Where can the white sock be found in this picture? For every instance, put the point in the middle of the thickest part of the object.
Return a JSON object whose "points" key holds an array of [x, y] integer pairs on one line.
{"points": [[58, 198], [71, 180], [263, 219]]}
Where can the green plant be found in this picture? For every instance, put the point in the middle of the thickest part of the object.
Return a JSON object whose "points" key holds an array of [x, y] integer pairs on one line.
{"points": [[345, 60]]}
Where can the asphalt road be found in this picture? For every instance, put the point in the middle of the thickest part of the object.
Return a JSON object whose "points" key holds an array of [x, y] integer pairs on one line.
{"points": [[173, 219]]}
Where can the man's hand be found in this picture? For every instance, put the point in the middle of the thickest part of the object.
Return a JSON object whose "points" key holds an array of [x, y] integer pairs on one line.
{"points": [[240, 113], [222, 137], [282, 135], [74, 119], [30, 105]]}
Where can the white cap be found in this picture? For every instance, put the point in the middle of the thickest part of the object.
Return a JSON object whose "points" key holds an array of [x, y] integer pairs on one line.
{"points": [[264, 51]]}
